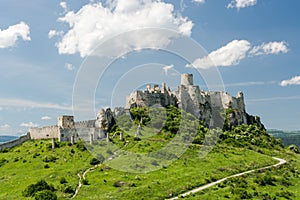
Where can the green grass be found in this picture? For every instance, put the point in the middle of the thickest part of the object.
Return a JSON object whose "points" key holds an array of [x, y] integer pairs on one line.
{"points": [[186, 173], [277, 183], [24, 166], [236, 152]]}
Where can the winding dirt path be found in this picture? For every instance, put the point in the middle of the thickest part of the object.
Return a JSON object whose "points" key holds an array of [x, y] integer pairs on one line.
{"points": [[87, 171], [281, 162], [83, 178]]}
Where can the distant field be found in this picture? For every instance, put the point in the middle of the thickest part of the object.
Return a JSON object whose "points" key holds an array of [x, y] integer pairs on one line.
{"points": [[6, 138], [287, 138]]}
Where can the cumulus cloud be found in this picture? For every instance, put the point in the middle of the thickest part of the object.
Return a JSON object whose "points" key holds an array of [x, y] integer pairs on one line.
{"points": [[29, 125], [45, 118], [69, 66], [53, 33], [9, 36], [293, 81], [167, 68], [241, 3], [5, 126], [228, 55], [270, 48], [95, 23], [198, 1], [232, 53]]}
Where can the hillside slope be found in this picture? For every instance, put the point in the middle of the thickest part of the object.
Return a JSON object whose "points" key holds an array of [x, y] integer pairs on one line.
{"points": [[239, 149]]}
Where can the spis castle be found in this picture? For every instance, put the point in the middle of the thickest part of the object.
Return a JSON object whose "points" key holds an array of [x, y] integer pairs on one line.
{"points": [[213, 108]]}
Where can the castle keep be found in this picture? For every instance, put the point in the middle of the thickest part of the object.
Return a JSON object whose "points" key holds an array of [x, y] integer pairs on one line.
{"points": [[213, 108]]}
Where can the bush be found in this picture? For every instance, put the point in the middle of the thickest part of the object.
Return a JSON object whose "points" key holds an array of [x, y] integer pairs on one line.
{"points": [[119, 184], [3, 161], [63, 180], [80, 146], [293, 148], [94, 161], [41, 185], [69, 190], [36, 155], [85, 182], [264, 180], [46, 166], [6, 150], [49, 159], [45, 194]]}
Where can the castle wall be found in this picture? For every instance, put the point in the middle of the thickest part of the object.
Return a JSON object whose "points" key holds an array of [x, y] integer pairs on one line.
{"points": [[44, 132], [64, 135], [150, 98], [15, 142], [85, 124]]}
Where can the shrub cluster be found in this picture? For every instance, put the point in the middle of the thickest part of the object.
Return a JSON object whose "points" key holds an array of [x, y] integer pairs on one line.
{"points": [[41, 191]]}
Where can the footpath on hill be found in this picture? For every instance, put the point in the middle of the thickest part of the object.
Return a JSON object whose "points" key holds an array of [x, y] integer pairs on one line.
{"points": [[203, 187]]}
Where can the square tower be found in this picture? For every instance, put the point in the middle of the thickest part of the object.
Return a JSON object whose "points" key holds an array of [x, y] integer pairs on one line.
{"points": [[65, 122], [187, 79]]}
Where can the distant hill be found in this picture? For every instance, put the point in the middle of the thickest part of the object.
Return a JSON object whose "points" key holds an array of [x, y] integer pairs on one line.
{"points": [[287, 137], [6, 138]]}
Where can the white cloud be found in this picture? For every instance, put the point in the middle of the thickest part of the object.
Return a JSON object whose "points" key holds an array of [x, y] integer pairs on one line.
{"points": [[5, 126], [9, 36], [53, 33], [293, 81], [241, 3], [270, 48], [29, 125], [69, 66], [31, 104], [228, 55], [198, 1], [167, 68], [45, 118], [95, 23], [63, 4]]}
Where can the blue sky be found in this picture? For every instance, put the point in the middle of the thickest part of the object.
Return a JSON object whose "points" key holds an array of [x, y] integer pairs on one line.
{"points": [[44, 46]]}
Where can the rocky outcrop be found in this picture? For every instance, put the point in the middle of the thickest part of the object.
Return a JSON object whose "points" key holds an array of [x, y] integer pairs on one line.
{"points": [[105, 120]]}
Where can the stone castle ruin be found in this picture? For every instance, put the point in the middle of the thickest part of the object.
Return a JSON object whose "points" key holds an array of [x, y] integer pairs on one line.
{"points": [[213, 108], [210, 107]]}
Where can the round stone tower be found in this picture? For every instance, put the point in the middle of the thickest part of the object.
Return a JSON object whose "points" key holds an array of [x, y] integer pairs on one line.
{"points": [[187, 79]]}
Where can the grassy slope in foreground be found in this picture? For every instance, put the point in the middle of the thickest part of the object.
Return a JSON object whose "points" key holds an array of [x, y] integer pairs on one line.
{"points": [[240, 149], [27, 164], [186, 173], [278, 183], [24, 166]]}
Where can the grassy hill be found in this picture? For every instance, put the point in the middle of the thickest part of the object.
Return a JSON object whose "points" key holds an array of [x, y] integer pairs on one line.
{"points": [[239, 149]]}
